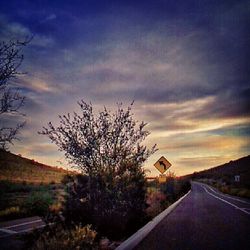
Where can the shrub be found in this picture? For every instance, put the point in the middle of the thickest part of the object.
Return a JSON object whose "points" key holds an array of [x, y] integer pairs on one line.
{"points": [[55, 208], [185, 186], [37, 203], [11, 187], [169, 189], [108, 148], [117, 205], [157, 202], [59, 237], [225, 189], [234, 191], [11, 213], [244, 193], [175, 188], [67, 178]]}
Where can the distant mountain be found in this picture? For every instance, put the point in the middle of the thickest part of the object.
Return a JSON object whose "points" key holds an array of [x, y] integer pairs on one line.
{"points": [[16, 168], [227, 172]]}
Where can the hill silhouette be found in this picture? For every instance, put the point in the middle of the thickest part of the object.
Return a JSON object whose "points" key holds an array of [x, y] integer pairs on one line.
{"points": [[226, 173], [16, 168]]}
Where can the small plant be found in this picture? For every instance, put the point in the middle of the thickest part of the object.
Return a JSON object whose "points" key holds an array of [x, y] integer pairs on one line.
{"points": [[11, 213], [160, 196], [157, 202], [10, 187], [55, 208], [244, 193], [38, 203], [59, 237], [67, 179]]}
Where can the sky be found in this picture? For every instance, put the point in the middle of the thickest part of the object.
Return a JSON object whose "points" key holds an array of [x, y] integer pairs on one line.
{"points": [[184, 63]]}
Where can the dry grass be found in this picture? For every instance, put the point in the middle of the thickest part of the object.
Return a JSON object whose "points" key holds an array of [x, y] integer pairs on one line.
{"points": [[15, 168], [20, 178]]}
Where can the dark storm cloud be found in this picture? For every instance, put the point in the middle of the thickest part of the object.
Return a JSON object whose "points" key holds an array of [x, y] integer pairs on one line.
{"points": [[228, 103], [208, 40]]}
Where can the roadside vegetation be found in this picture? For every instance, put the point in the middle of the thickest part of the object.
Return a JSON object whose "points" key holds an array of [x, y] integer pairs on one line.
{"points": [[29, 188], [19, 200], [223, 177], [65, 232], [162, 195], [102, 205], [61, 237], [227, 188], [106, 147]]}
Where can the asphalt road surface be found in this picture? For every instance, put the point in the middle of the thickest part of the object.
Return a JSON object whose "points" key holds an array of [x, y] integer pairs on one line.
{"points": [[204, 220], [10, 230]]}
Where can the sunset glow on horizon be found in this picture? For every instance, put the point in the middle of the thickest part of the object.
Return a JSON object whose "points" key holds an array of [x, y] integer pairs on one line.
{"points": [[184, 65]]}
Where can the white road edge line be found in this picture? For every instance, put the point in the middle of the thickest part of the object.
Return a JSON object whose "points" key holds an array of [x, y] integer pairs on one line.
{"points": [[227, 196], [30, 229], [20, 232], [137, 237], [7, 231], [242, 210], [22, 224]]}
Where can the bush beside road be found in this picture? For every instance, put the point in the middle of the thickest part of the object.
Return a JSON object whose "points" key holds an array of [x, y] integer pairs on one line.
{"points": [[227, 188]]}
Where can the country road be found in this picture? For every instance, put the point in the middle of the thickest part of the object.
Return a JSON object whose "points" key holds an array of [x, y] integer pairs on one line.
{"points": [[10, 230], [20, 226], [204, 220]]}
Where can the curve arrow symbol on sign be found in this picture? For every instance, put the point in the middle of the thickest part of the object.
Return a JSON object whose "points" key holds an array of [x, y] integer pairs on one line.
{"points": [[163, 164]]}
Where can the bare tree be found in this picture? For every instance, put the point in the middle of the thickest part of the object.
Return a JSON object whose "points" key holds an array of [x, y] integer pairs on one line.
{"points": [[11, 100]]}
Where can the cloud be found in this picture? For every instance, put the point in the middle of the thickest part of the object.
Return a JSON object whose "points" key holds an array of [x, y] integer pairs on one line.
{"points": [[18, 31], [158, 68], [199, 163], [37, 85], [228, 103], [12, 30], [204, 142], [42, 41], [43, 149], [191, 116], [184, 65], [49, 18]]}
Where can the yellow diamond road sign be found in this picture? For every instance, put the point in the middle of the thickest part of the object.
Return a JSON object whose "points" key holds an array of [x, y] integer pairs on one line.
{"points": [[162, 164]]}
